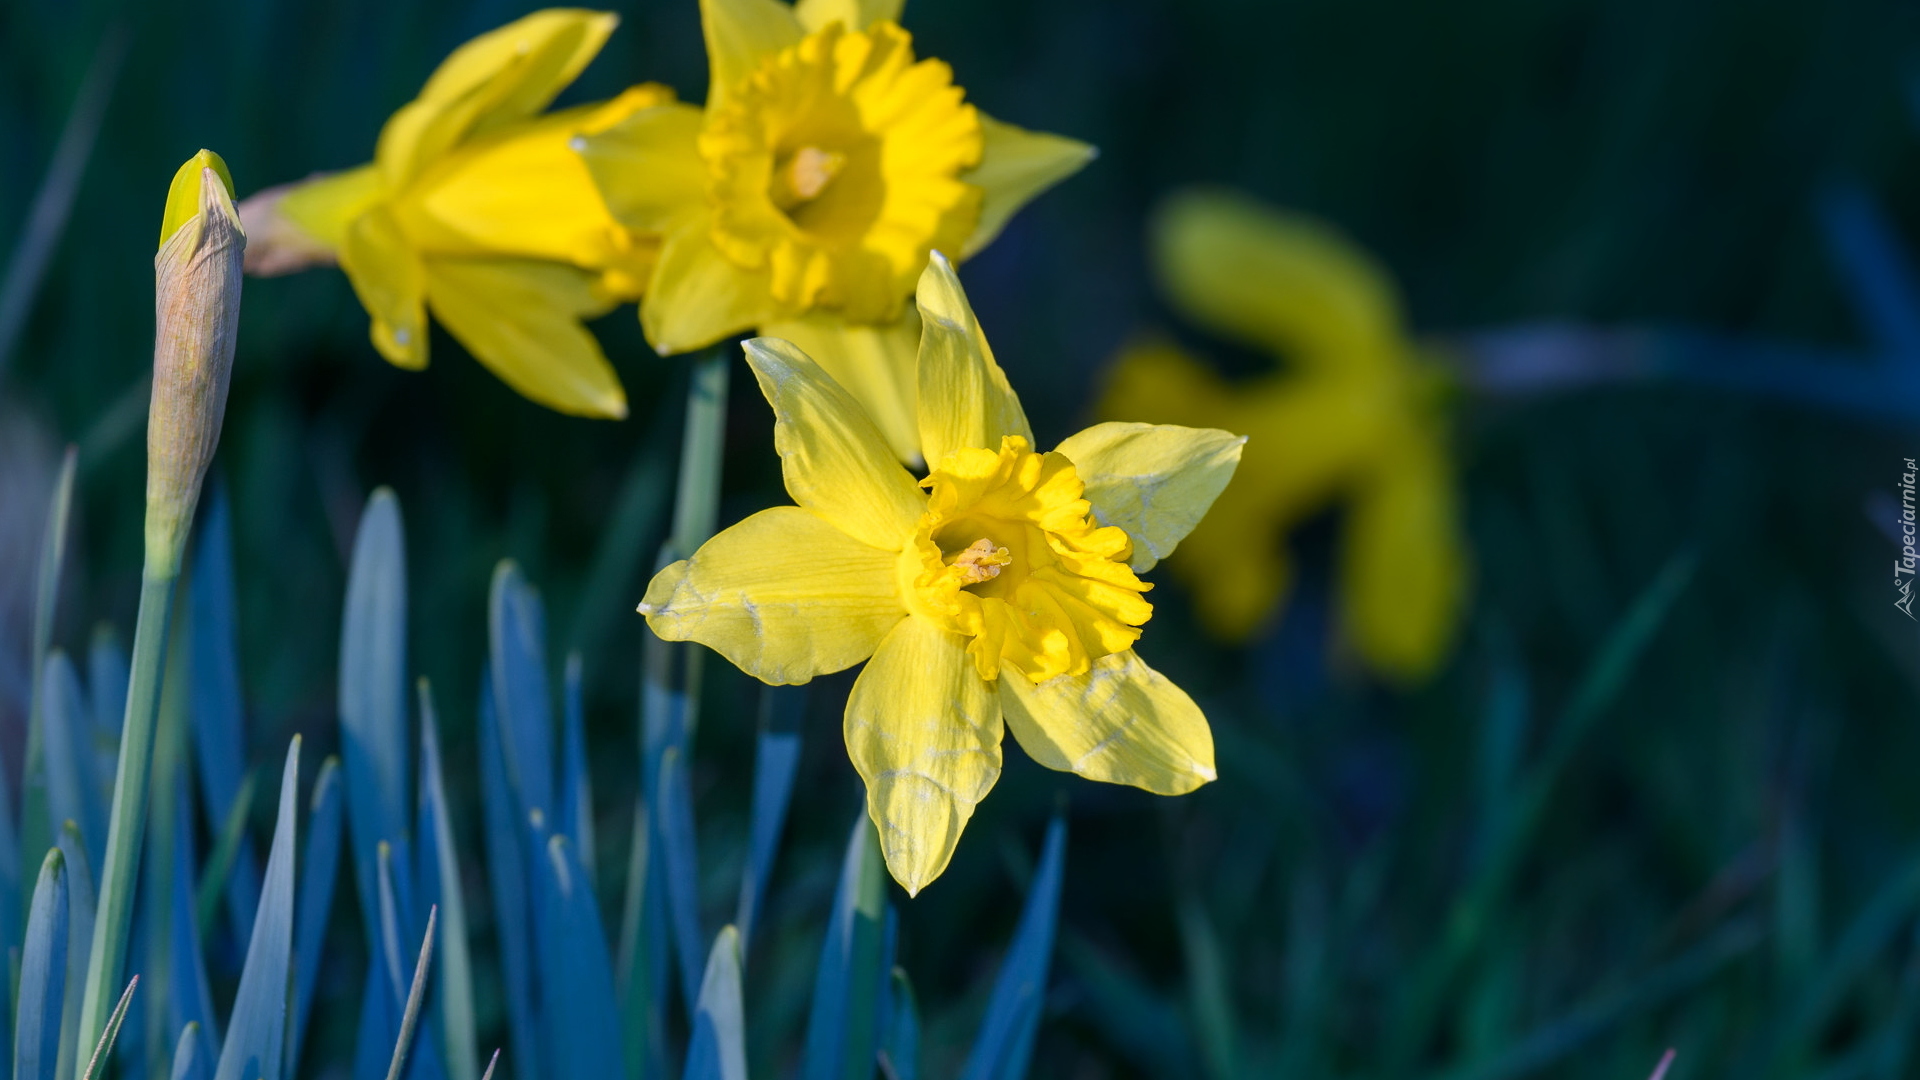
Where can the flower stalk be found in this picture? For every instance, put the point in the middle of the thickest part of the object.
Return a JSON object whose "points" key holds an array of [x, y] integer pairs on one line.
{"points": [[196, 312]]}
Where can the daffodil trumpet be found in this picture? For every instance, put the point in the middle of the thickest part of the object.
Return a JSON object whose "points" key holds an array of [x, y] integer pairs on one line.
{"points": [[803, 200], [1000, 590], [1357, 421], [478, 208]]}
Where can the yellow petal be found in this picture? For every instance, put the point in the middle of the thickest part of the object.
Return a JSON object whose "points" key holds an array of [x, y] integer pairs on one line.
{"points": [[324, 206], [878, 365], [835, 461], [648, 167], [1282, 281], [1121, 722], [521, 319], [1404, 565], [740, 33], [501, 76], [1156, 481], [183, 194], [1016, 165], [526, 193], [854, 14], [965, 400], [923, 729], [390, 281], [783, 594], [697, 296]]}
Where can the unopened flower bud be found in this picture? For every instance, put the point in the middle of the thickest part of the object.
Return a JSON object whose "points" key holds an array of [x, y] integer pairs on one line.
{"points": [[196, 316]]}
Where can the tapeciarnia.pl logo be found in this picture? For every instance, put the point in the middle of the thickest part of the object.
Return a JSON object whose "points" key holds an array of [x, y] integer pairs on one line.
{"points": [[1903, 567]]}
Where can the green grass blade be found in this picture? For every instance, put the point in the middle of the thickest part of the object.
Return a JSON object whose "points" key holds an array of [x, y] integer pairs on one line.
{"points": [[375, 747], [776, 760], [416, 994], [191, 1058], [900, 1042], [579, 1010], [43, 975], [103, 1050], [440, 878], [848, 980], [318, 872], [255, 1046], [1005, 1045], [718, 1050], [220, 865], [80, 912], [682, 865], [36, 824]]}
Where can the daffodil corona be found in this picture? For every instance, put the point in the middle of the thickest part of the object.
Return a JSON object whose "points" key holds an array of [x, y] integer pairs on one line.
{"points": [[804, 199], [480, 209], [1357, 420], [1002, 590]]}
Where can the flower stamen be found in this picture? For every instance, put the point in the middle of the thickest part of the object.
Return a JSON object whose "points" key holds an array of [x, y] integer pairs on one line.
{"points": [[980, 561], [802, 175]]}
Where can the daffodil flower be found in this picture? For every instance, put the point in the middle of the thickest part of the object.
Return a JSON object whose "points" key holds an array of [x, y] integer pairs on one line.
{"points": [[1002, 589], [804, 199], [479, 209], [1356, 420]]}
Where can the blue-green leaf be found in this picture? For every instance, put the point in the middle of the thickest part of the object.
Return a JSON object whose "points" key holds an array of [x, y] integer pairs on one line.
{"points": [[846, 985], [577, 1003], [440, 887], [576, 787], [219, 742], [67, 747], [375, 747], [1005, 1044], [318, 869], [719, 1047], [517, 632], [900, 1041], [192, 1060], [255, 1047], [107, 676], [36, 831], [43, 975], [507, 873], [189, 997], [682, 866], [80, 906], [776, 759]]}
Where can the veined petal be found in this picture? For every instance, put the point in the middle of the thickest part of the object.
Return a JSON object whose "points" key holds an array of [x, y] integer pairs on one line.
{"points": [[391, 283], [784, 595], [324, 206], [739, 33], [497, 78], [1283, 281], [965, 400], [521, 318], [835, 461], [1404, 564], [853, 14], [697, 296], [1016, 165], [648, 167], [1121, 722], [923, 729], [1156, 481], [878, 365]]}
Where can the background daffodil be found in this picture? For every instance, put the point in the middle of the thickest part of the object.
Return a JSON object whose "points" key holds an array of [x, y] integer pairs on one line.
{"points": [[1355, 420], [804, 199], [1004, 593], [478, 208]]}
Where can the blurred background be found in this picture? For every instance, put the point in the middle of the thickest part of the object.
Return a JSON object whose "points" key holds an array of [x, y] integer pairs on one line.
{"points": [[1660, 793]]}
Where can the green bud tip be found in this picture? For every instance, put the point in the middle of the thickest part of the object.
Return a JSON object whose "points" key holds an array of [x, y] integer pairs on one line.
{"points": [[183, 195]]}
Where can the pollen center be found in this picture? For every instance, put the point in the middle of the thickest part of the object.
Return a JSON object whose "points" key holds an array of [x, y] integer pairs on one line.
{"points": [[1009, 556], [836, 166], [980, 561], [802, 175]]}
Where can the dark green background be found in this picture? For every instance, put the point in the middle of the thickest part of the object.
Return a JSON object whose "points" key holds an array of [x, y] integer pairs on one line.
{"points": [[1618, 163]]}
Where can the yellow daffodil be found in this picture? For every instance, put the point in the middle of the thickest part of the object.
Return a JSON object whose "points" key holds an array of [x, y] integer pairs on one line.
{"points": [[804, 199], [1356, 420], [1001, 589], [480, 209]]}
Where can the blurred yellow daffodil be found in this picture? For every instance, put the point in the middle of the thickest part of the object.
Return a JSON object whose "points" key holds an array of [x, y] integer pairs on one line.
{"points": [[1357, 420], [479, 208], [1007, 592], [804, 199]]}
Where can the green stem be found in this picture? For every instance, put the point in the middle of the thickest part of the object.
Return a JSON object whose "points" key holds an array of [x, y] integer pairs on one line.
{"points": [[697, 504], [127, 826]]}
